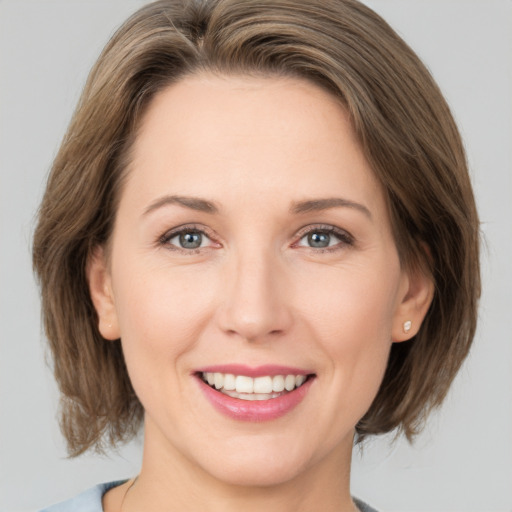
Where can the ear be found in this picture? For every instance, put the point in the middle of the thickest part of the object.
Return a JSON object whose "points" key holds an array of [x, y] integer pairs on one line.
{"points": [[416, 294], [102, 296]]}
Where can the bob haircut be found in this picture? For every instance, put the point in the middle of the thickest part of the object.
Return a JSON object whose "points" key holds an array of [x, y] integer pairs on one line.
{"points": [[406, 132]]}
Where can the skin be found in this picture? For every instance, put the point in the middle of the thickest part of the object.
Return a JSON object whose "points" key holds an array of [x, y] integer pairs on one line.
{"points": [[255, 293]]}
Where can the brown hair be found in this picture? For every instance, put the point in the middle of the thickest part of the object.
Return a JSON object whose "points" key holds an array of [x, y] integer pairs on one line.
{"points": [[406, 131]]}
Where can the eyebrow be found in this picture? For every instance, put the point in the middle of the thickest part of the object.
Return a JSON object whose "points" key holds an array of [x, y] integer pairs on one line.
{"points": [[194, 203], [297, 207], [315, 205]]}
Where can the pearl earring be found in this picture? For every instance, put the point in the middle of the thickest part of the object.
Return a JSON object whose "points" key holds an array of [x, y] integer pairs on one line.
{"points": [[407, 326]]}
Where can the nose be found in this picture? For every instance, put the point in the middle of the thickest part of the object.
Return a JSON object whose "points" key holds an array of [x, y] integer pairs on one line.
{"points": [[254, 303]]}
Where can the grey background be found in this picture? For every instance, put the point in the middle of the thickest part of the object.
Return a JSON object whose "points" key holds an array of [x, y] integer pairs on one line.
{"points": [[463, 461]]}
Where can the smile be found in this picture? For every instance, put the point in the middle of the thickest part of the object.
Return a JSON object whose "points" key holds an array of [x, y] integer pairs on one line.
{"points": [[254, 394], [266, 387]]}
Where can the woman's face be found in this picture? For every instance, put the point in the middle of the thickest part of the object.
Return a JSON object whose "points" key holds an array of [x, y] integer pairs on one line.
{"points": [[252, 240]]}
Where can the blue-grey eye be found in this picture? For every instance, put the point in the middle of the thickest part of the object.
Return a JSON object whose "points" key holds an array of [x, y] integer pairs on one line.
{"points": [[189, 240], [325, 238], [318, 239]]}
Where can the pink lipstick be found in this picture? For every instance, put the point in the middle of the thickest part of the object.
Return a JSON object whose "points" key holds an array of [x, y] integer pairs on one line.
{"points": [[254, 394]]}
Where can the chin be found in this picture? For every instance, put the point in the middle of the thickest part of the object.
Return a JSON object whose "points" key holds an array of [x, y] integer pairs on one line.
{"points": [[259, 462], [257, 474]]}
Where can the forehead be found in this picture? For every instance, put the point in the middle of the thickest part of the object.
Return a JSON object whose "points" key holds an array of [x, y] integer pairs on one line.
{"points": [[281, 138]]}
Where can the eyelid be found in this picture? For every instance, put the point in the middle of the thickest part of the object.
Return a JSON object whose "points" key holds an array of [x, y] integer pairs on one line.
{"points": [[171, 233], [346, 239]]}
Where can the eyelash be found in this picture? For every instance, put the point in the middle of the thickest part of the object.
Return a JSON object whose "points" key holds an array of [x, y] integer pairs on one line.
{"points": [[190, 228], [345, 239]]}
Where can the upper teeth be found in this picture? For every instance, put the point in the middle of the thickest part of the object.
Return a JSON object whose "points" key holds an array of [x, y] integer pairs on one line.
{"points": [[244, 384]]}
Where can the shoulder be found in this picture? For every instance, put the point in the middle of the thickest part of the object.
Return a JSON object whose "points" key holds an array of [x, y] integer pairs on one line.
{"points": [[88, 501], [362, 506]]}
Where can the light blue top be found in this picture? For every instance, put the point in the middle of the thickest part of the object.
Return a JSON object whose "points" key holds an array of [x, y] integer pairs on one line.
{"points": [[90, 501]]}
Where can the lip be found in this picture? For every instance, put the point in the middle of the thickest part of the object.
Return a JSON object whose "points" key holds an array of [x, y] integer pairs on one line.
{"points": [[258, 410], [253, 371]]}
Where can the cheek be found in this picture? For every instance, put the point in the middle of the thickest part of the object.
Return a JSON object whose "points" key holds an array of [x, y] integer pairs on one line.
{"points": [[355, 302], [351, 318], [161, 314]]}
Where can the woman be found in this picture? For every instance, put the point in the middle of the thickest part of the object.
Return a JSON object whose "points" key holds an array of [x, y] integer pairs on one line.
{"points": [[261, 214]]}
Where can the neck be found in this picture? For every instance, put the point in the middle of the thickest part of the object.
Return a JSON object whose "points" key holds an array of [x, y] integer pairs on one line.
{"points": [[169, 481]]}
